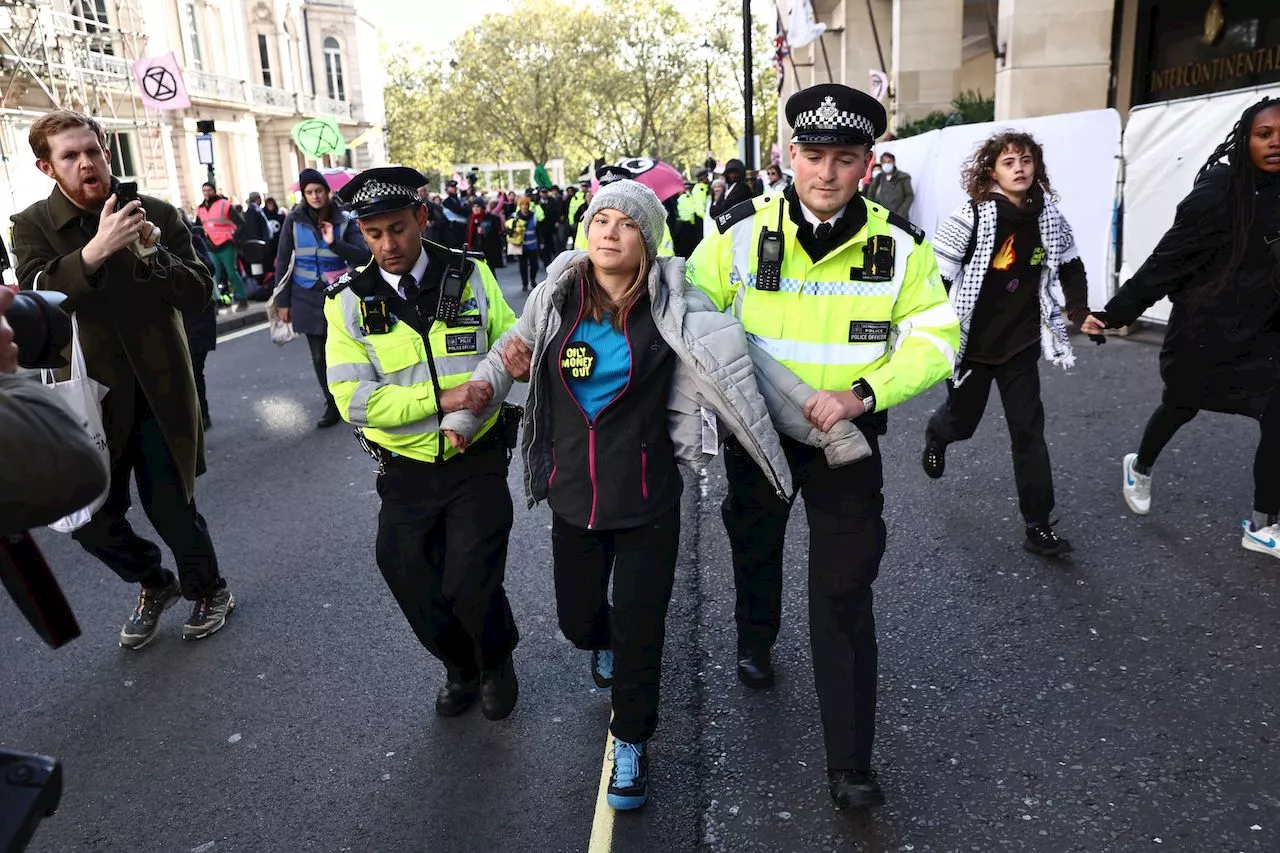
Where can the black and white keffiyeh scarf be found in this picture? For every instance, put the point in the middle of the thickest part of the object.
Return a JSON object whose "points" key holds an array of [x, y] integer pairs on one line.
{"points": [[951, 244]]}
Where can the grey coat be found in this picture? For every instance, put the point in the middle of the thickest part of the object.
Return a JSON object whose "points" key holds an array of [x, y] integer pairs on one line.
{"points": [[716, 370], [893, 192]]}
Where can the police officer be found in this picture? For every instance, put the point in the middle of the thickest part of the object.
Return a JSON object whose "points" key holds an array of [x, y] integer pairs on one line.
{"points": [[405, 334], [847, 295]]}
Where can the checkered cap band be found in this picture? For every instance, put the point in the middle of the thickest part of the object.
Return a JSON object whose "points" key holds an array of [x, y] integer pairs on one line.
{"points": [[380, 189], [827, 119]]}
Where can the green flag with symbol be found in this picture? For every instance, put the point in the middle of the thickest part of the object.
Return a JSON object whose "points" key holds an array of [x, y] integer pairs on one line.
{"points": [[317, 137]]}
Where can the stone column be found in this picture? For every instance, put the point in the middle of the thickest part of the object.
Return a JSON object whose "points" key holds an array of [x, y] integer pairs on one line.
{"points": [[1057, 57], [927, 40]]}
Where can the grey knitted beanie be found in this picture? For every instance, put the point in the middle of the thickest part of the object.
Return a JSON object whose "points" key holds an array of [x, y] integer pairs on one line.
{"points": [[637, 201]]}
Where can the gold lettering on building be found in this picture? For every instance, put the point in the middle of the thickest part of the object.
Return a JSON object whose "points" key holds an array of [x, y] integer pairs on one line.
{"points": [[1220, 70]]}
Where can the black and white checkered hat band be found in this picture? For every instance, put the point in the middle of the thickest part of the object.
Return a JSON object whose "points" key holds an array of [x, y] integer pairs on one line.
{"points": [[380, 189], [813, 121]]}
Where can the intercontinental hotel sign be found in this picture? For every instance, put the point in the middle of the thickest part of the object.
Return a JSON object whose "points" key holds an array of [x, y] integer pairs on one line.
{"points": [[1218, 73]]}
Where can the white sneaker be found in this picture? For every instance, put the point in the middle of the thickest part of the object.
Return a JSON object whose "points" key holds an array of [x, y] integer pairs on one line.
{"points": [[1264, 541], [1137, 487]]}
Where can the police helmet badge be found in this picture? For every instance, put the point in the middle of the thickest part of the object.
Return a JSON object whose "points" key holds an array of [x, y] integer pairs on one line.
{"points": [[827, 113]]}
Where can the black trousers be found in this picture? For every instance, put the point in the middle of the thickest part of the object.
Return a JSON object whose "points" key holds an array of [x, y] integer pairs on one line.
{"points": [[1019, 382], [316, 344], [642, 561], [197, 369], [109, 536], [442, 549], [528, 268], [844, 507], [1167, 420]]}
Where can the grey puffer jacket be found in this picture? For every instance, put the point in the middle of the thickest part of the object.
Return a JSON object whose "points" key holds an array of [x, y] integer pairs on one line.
{"points": [[717, 371]]}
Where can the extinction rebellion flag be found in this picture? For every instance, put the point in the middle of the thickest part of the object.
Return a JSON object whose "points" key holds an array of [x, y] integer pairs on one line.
{"points": [[160, 80]]}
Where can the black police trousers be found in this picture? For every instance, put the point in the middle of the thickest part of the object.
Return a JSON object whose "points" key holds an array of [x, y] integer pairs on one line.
{"points": [[1019, 382], [642, 562], [442, 549], [110, 537], [844, 508]]}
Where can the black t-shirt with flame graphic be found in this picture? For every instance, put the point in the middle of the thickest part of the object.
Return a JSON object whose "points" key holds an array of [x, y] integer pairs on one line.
{"points": [[1006, 319]]}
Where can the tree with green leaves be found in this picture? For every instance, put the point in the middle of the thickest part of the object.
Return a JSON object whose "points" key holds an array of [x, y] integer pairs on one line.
{"points": [[554, 79]]}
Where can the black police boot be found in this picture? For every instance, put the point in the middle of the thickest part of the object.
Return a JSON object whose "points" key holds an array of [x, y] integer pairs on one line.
{"points": [[755, 669], [853, 790], [935, 456], [457, 695], [1042, 540], [499, 690], [329, 418]]}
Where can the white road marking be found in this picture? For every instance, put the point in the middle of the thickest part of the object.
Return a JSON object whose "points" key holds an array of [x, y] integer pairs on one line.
{"points": [[240, 333]]}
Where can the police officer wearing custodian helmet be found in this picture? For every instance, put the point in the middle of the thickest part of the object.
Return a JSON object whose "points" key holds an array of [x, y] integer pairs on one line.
{"points": [[405, 334], [848, 296]]}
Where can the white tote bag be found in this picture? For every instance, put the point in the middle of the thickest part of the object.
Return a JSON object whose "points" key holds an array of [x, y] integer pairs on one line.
{"points": [[84, 397]]}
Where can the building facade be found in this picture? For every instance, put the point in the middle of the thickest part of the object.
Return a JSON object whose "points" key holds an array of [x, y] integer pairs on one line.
{"points": [[1040, 57], [252, 67]]}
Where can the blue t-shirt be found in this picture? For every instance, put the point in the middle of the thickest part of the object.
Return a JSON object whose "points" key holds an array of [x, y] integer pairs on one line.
{"points": [[596, 364]]}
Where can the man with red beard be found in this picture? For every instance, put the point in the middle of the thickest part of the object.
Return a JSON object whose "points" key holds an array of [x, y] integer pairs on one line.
{"points": [[128, 269]]}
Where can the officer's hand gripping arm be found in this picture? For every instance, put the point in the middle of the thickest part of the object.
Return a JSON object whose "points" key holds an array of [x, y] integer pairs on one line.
{"points": [[927, 334]]}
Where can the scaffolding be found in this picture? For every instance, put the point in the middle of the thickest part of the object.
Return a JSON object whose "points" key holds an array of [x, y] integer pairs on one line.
{"points": [[79, 60]]}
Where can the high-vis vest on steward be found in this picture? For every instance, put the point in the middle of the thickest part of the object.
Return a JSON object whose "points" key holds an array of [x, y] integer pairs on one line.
{"points": [[311, 257], [389, 384], [826, 323], [216, 221]]}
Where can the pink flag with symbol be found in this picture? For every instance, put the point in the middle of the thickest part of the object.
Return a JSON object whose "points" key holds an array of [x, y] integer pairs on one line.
{"points": [[160, 80]]}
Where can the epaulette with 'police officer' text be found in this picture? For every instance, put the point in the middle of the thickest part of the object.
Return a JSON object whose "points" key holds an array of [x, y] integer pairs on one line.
{"points": [[341, 284], [735, 214], [906, 225]]}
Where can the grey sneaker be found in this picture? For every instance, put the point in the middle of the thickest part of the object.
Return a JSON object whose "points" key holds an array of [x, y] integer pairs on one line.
{"points": [[209, 614], [141, 626]]}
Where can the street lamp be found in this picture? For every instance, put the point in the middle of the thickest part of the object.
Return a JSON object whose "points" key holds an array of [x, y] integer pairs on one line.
{"points": [[748, 120], [706, 55]]}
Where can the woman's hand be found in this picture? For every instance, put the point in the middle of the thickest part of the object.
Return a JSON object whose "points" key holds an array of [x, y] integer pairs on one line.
{"points": [[326, 232], [459, 443], [1093, 326]]}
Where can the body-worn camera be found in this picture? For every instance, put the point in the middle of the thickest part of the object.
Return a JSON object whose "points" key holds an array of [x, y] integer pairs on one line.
{"points": [[40, 328]]}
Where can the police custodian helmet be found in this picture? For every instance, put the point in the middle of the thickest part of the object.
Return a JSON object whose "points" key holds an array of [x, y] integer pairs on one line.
{"points": [[831, 114], [384, 190]]}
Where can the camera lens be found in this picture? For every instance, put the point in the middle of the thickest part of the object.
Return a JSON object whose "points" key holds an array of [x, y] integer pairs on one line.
{"points": [[40, 328]]}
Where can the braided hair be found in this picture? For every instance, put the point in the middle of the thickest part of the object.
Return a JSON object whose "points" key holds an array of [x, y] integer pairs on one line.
{"points": [[1235, 148]]}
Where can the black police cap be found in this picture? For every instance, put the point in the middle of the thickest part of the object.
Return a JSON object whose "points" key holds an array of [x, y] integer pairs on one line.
{"points": [[609, 174], [832, 114], [383, 190]]}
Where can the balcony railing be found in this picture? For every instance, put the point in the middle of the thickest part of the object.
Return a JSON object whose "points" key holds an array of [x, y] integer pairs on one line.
{"points": [[280, 99], [333, 107], [216, 86]]}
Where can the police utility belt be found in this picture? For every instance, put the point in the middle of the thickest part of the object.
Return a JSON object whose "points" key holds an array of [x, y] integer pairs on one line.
{"points": [[877, 257]]}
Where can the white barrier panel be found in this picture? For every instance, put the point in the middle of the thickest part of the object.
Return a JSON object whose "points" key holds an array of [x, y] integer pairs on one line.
{"points": [[1082, 156], [1164, 147]]}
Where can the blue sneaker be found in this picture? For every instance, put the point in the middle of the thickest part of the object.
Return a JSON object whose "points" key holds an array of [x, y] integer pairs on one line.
{"points": [[602, 668], [629, 781], [1264, 541]]}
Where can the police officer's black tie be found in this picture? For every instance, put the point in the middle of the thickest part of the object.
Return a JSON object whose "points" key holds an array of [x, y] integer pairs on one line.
{"points": [[823, 231], [410, 287]]}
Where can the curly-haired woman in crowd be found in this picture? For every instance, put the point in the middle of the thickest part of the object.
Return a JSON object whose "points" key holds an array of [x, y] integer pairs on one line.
{"points": [[1000, 254]]}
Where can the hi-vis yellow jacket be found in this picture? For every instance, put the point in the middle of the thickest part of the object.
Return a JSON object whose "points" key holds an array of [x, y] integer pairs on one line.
{"points": [[389, 384], [827, 323]]}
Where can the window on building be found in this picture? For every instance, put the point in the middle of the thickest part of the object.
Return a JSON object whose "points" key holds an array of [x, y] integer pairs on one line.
{"points": [[90, 17], [333, 69], [122, 162], [194, 55], [264, 57]]}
